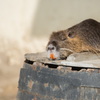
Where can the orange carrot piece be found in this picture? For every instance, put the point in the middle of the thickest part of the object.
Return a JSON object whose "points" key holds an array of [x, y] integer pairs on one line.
{"points": [[52, 56]]}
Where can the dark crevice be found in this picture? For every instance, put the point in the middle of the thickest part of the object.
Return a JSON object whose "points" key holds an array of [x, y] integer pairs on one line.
{"points": [[29, 62], [52, 65], [77, 68], [55, 66]]}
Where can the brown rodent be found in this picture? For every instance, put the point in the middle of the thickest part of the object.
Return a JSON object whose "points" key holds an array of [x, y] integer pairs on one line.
{"points": [[84, 36]]}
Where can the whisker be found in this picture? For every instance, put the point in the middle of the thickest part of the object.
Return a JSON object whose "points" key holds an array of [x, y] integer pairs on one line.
{"points": [[66, 49]]}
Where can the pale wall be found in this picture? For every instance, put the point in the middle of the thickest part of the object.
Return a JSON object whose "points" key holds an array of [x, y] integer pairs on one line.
{"points": [[54, 15]]}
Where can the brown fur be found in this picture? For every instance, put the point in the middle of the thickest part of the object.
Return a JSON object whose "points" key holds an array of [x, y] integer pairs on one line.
{"points": [[84, 36]]}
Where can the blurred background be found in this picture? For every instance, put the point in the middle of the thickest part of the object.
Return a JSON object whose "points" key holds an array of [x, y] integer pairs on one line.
{"points": [[25, 26]]}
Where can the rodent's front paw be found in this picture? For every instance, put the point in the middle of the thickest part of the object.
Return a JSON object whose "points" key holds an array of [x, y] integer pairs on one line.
{"points": [[64, 54]]}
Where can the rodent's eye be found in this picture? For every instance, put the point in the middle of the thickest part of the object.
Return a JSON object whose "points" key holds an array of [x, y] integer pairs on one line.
{"points": [[71, 34], [63, 38]]}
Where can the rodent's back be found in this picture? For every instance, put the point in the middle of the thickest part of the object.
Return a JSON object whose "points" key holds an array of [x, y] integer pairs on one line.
{"points": [[89, 32]]}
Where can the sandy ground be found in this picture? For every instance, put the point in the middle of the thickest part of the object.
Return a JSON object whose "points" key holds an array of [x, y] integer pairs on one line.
{"points": [[11, 60]]}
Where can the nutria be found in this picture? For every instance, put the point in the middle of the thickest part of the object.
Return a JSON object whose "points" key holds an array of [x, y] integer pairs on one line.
{"points": [[81, 37]]}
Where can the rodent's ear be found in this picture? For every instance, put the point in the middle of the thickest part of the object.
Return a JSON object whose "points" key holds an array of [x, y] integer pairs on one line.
{"points": [[62, 37], [71, 34]]}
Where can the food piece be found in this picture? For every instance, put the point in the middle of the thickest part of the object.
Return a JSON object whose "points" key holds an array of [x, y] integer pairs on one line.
{"points": [[52, 56]]}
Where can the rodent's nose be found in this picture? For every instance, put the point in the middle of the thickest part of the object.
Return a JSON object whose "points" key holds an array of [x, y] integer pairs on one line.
{"points": [[50, 48]]}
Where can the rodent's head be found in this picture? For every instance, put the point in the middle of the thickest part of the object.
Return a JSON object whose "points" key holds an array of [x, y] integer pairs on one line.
{"points": [[63, 39], [84, 36], [67, 39]]}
